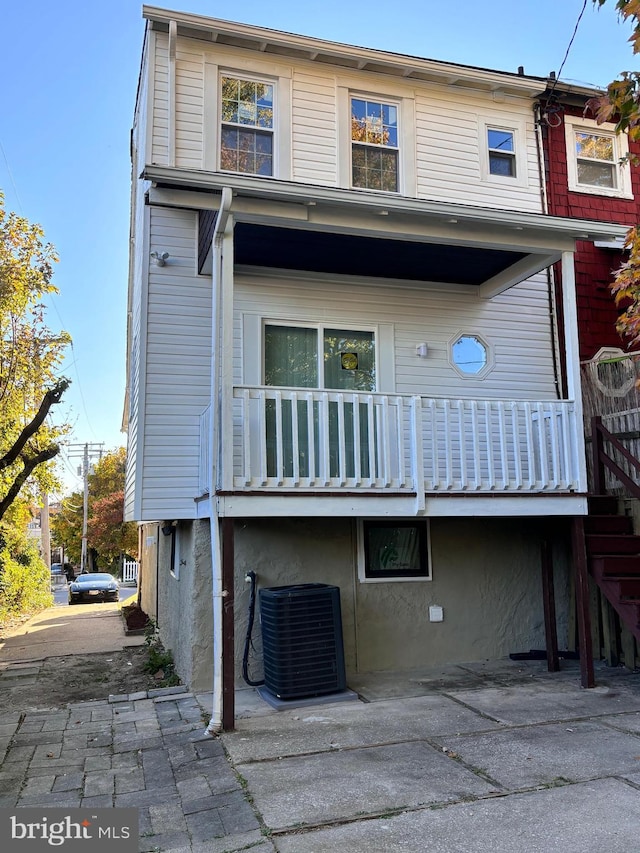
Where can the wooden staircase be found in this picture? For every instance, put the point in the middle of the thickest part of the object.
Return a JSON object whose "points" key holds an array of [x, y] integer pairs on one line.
{"points": [[613, 559]]}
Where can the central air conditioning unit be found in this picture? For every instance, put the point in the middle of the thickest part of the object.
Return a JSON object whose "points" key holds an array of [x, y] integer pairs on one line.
{"points": [[302, 640]]}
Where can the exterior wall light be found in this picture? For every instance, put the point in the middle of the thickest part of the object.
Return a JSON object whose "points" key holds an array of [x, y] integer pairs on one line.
{"points": [[422, 350], [160, 258]]}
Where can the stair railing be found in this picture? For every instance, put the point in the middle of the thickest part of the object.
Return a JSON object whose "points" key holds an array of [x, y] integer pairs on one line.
{"points": [[602, 459]]}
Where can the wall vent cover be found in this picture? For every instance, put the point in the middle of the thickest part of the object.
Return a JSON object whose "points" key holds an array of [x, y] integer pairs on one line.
{"points": [[302, 640]]}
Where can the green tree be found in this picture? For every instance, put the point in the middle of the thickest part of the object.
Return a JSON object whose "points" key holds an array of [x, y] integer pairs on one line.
{"points": [[30, 357], [108, 535]]}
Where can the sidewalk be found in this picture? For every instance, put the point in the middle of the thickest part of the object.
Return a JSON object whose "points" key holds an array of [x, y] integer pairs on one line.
{"points": [[498, 757]]}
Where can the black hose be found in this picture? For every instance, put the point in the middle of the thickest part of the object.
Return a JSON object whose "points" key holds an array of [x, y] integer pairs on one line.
{"points": [[247, 642]]}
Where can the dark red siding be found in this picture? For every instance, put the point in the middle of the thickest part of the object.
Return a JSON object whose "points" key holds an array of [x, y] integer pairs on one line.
{"points": [[597, 312]]}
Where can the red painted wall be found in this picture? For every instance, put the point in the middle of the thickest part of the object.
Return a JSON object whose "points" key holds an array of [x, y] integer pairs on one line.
{"points": [[597, 312]]}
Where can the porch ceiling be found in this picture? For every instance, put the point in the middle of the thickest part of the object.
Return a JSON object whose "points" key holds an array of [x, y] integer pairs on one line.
{"points": [[348, 254]]}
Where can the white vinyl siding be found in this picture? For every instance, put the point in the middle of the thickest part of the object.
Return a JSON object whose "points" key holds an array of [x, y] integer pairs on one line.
{"points": [[178, 353], [441, 147], [189, 109], [160, 102], [314, 128], [450, 150], [515, 324]]}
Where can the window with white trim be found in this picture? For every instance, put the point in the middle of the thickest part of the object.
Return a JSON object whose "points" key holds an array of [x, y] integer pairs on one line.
{"points": [[502, 152], [596, 158], [247, 126], [374, 145], [393, 550]]}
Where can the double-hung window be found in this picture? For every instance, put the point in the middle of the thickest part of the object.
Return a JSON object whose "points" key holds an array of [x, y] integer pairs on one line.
{"points": [[596, 158], [502, 152], [374, 145], [247, 126]]}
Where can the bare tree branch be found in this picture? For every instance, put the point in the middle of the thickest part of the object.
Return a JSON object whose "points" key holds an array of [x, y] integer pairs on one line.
{"points": [[52, 397], [30, 463]]}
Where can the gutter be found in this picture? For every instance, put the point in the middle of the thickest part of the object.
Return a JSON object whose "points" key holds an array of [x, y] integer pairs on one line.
{"points": [[382, 204], [218, 593]]}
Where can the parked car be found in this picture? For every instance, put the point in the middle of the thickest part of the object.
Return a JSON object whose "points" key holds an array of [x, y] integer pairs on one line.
{"points": [[63, 569], [94, 586]]}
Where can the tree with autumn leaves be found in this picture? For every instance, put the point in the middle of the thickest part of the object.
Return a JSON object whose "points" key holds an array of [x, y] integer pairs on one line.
{"points": [[109, 536], [30, 387]]}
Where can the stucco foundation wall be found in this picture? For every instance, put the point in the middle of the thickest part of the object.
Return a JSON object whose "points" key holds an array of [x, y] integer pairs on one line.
{"points": [[184, 602], [486, 576]]}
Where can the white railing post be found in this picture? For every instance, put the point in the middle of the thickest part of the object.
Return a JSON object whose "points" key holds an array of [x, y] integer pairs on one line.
{"points": [[417, 453], [331, 439]]}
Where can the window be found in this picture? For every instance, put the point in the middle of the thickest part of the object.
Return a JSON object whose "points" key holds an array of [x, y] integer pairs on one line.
{"points": [[595, 160], [312, 357], [394, 550], [246, 140], [374, 145], [613, 371], [502, 154], [594, 155], [502, 150], [470, 355], [308, 357]]}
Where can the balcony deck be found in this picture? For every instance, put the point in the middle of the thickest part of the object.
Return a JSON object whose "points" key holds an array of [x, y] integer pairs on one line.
{"points": [[307, 443]]}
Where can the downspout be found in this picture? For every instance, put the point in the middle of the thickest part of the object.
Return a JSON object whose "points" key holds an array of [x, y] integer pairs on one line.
{"points": [[215, 723], [551, 287]]}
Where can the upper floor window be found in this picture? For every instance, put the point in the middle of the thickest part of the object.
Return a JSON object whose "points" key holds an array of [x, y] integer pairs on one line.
{"points": [[246, 140], [595, 158], [502, 152], [374, 145]]}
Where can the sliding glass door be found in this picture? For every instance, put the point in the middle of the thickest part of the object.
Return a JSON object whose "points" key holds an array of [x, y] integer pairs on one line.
{"points": [[319, 358]]}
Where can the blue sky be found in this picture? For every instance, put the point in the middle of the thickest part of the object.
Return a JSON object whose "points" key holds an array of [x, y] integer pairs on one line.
{"points": [[70, 75]]}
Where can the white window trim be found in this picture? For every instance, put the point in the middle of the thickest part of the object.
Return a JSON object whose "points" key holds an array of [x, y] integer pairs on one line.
{"points": [[362, 578], [275, 130], [253, 347], [510, 125], [320, 327], [407, 185], [212, 113], [620, 150], [468, 333]]}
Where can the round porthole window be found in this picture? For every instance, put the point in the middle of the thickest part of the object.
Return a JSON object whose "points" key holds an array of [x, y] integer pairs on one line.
{"points": [[469, 354]]}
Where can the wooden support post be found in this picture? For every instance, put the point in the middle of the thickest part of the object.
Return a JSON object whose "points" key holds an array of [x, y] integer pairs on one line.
{"points": [[597, 447], [628, 643], [228, 617], [610, 633], [587, 678], [549, 603]]}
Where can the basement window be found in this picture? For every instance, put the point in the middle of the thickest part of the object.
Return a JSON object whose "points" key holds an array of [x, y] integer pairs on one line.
{"points": [[393, 550]]}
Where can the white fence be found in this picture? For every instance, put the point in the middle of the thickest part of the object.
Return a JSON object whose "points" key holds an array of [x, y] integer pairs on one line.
{"points": [[130, 571], [299, 438]]}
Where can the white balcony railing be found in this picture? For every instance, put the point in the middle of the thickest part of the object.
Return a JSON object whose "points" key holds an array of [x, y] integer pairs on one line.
{"points": [[309, 439]]}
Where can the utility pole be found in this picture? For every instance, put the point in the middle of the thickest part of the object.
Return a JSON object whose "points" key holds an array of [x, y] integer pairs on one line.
{"points": [[87, 450]]}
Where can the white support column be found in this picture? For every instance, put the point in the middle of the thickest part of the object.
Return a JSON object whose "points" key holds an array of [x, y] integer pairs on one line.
{"points": [[226, 358], [572, 353], [220, 243]]}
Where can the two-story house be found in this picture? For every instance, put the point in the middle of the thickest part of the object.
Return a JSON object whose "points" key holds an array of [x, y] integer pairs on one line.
{"points": [[344, 360]]}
